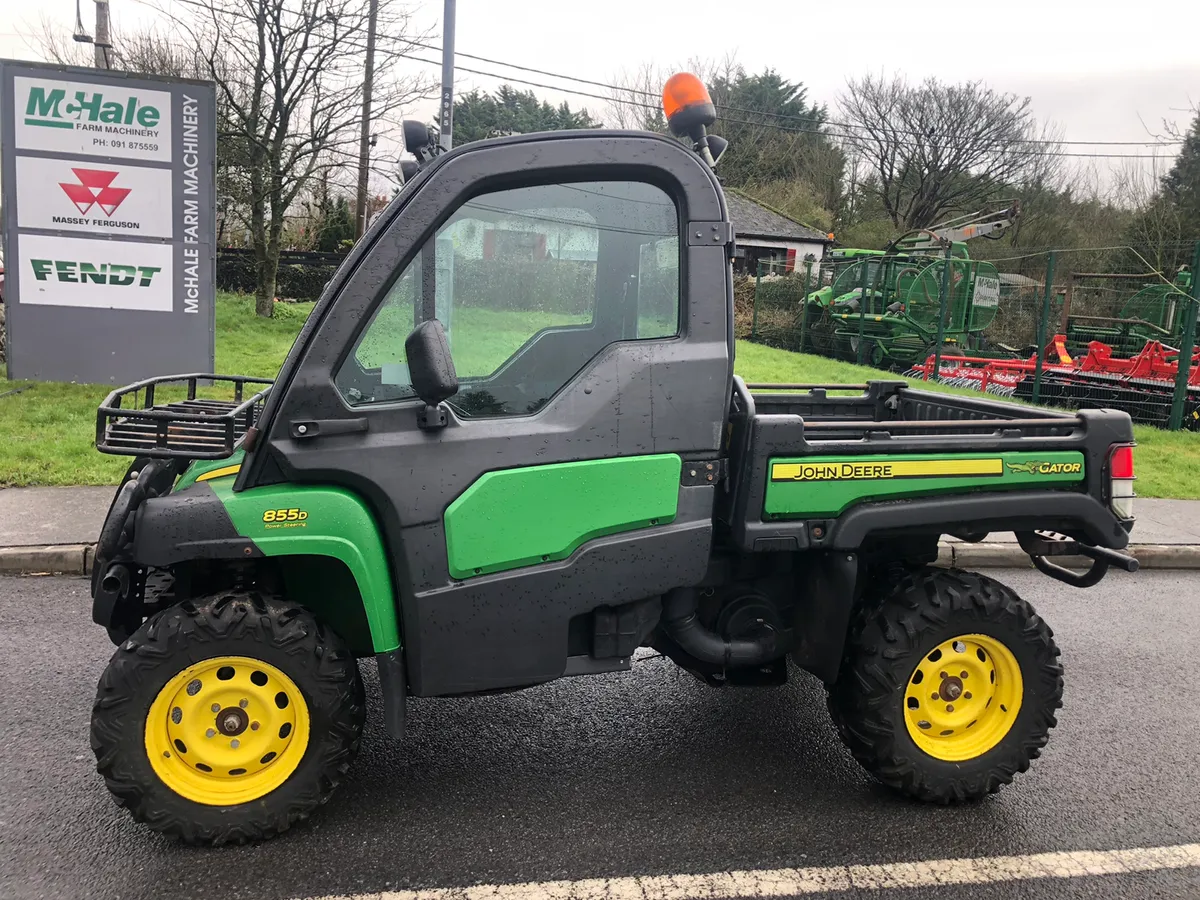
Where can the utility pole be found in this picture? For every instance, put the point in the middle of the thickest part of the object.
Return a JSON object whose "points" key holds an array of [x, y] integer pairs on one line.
{"points": [[102, 45], [364, 140], [446, 123]]}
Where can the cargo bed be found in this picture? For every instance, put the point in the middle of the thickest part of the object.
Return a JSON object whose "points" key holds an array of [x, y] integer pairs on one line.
{"points": [[1003, 467]]}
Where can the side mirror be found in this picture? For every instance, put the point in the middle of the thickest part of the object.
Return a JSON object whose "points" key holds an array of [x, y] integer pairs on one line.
{"points": [[716, 146], [416, 135], [431, 369], [409, 169]]}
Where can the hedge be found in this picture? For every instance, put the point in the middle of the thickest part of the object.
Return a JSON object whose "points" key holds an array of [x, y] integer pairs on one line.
{"points": [[294, 281]]}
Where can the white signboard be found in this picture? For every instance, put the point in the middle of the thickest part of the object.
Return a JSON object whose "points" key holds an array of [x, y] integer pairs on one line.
{"points": [[987, 290], [59, 271], [101, 120], [100, 198]]}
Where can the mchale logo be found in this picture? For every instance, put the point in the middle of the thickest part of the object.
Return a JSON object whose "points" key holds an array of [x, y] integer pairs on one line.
{"points": [[52, 109], [95, 188]]}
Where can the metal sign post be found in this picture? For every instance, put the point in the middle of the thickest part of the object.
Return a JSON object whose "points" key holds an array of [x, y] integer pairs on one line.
{"points": [[109, 223], [446, 115], [1186, 346]]}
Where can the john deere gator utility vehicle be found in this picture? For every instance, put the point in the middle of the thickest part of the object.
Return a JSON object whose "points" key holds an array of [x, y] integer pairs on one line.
{"points": [[889, 301], [509, 446]]}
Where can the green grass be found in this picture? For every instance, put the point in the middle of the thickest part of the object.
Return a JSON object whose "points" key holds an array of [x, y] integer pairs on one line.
{"points": [[482, 339], [47, 430]]}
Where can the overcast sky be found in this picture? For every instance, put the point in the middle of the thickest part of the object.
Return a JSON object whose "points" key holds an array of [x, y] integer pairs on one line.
{"points": [[1101, 75]]}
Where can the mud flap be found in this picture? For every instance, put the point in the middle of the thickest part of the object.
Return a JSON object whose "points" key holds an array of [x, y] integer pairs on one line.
{"points": [[394, 685]]}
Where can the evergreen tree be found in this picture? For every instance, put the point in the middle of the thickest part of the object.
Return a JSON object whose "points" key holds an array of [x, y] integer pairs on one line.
{"points": [[1181, 185], [774, 135], [479, 115], [336, 227]]}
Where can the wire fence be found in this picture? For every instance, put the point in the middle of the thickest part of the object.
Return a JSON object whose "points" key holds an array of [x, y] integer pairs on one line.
{"points": [[1082, 328]]}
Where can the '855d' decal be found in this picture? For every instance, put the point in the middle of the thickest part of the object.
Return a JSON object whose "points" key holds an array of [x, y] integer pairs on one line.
{"points": [[293, 517]]}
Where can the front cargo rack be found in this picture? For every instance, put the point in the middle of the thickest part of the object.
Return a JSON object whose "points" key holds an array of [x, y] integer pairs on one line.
{"points": [[130, 423]]}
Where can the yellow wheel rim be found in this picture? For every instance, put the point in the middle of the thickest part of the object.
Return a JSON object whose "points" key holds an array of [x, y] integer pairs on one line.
{"points": [[227, 730], [963, 697]]}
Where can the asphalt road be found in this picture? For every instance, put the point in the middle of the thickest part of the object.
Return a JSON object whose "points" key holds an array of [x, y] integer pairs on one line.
{"points": [[647, 772]]}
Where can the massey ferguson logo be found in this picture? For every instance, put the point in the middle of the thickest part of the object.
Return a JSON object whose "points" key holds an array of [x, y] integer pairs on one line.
{"points": [[95, 189]]}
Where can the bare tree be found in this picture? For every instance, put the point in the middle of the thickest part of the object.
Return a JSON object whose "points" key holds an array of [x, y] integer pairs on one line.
{"points": [[57, 45], [933, 148], [290, 79], [635, 99], [289, 96], [636, 96], [1156, 228]]}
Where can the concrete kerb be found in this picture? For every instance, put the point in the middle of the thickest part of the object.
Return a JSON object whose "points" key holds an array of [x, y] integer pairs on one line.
{"points": [[57, 559], [76, 559], [1007, 555]]}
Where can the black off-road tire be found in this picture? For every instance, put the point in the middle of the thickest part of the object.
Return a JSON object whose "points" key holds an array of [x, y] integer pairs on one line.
{"points": [[889, 638], [230, 624]]}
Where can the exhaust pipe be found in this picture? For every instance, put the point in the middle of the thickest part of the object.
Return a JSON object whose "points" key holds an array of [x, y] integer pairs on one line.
{"points": [[116, 581], [112, 592], [682, 625]]}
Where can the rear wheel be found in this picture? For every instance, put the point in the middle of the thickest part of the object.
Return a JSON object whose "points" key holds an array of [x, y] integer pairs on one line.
{"points": [[949, 687], [820, 335], [227, 719]]}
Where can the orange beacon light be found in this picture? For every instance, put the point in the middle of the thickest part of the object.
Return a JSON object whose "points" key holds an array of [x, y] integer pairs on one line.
{"points": [[690, 111], [686, 102]]}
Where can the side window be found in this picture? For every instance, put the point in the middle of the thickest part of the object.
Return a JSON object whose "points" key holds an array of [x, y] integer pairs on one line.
{"points": [[529, 284]]}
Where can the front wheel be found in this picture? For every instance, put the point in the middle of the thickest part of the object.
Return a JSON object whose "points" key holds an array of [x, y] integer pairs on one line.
{"points": [[949, 687], [227, 719]]}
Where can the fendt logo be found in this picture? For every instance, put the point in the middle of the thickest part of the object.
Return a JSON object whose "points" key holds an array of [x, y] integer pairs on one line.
{"points": [[71, 272], [90, 111], [94, 188]]}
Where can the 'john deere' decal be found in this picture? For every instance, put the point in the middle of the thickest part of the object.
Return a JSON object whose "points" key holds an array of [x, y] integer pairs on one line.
{"points": [[854, 471], [821, 486]]}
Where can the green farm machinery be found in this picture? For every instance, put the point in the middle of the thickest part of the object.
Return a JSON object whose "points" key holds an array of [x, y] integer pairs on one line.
{"points": [[1154, 313], [883, 307]]}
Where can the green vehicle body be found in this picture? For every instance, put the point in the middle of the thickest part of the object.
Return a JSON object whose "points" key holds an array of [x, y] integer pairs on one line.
{"points": [[276, 519], [482, 504], [381, 553], [550, 511], [897, 326], [555, 509]]}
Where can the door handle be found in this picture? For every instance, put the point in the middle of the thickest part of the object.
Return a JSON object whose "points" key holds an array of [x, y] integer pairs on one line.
{"points": [[304, 429]]}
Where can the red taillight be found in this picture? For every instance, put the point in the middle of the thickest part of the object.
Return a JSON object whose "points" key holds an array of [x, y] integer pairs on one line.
{"points": [[1120, 480], [1120, 463]]}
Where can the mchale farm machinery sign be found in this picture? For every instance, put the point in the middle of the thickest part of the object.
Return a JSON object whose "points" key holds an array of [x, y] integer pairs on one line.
{"points": [[109, 223], [987, 290], [72, 117]]}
